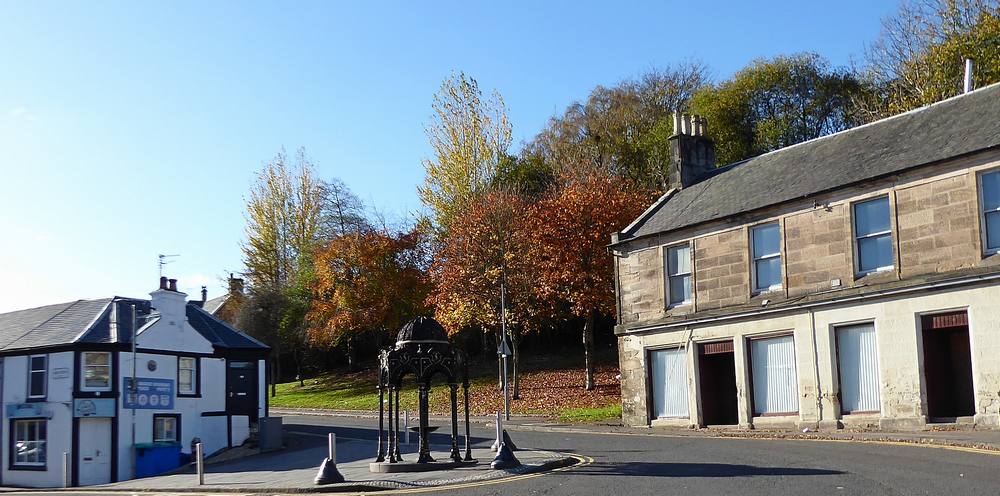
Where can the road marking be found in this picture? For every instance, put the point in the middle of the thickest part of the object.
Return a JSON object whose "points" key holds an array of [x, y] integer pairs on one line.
{"points": [[581, 460]]}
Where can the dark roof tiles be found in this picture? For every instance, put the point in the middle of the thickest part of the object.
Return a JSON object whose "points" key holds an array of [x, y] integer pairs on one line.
{"points": [[948, 129]]}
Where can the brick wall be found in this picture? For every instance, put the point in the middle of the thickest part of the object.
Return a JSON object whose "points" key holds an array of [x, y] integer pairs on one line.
{"points": [[937, 225], [721, 270]]}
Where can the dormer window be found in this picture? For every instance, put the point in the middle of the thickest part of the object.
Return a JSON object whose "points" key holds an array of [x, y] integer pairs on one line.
{"points": [[765, 241], [873, 236]]}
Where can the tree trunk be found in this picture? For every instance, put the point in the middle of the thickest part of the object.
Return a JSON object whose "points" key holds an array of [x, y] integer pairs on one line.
{"points": [[588, 350], [350, 354], [514, 345], [298, 368]]}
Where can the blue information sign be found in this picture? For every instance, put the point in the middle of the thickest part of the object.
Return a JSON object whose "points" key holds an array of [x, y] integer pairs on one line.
{"points": [[150, 394]]}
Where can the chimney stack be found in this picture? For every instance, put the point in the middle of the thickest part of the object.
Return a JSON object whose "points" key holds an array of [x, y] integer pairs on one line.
{"points": [[204, 294], [173, 284], [692, 152], [235, 284], [163, 282]]}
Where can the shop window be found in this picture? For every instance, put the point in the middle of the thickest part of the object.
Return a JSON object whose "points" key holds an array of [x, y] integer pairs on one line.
{"points": [[28, 442]]}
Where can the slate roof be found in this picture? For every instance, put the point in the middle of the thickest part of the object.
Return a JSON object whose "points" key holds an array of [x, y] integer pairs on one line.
{"points": [[88, 321], [219, 333], [50, 325], [213, 305], [957, 126]]}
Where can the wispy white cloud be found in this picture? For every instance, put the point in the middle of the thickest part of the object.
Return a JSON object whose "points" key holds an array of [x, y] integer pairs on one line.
{"points": [[21, 112]]}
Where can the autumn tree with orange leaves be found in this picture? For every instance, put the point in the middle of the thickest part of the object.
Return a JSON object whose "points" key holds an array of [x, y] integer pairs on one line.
{"points": [[369, 281], [572, 229], [485, 247]]}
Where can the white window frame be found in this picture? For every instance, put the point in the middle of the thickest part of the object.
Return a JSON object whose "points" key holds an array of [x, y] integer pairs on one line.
{"points": [[856, 243], [983, 232], [754, 258], [667, 275], [83, 370], [173, 418], [41, 442], [45, 376], [194, 376]]}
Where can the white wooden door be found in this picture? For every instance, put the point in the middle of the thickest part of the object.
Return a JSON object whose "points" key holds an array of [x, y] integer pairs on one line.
{"points": [[775, 385], [670, 383], [858, 363], [95, 451]]}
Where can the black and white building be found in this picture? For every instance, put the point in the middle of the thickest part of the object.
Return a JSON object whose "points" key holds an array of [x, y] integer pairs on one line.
{"points": [[68, 395]]}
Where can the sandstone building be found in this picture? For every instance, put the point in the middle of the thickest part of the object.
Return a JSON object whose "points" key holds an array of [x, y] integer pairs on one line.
{"points": [[851, 280]]}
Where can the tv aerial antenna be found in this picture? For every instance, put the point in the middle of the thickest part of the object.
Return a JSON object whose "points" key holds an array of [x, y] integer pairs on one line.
{"points": [[163, 261]]}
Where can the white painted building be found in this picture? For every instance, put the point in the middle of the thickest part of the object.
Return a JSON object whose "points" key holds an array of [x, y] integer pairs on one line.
{"points": [[67, 392]]}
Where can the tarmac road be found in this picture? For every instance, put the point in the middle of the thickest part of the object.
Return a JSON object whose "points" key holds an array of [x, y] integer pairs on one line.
{"points": [[640, 464], [691, 466]]}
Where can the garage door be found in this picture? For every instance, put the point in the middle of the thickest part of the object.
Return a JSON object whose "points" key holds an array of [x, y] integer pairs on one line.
{"points": [[775, 385], [670, 391]]}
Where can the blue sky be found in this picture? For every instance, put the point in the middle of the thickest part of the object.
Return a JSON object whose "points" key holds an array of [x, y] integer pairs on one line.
{"points": [[129, 129]]}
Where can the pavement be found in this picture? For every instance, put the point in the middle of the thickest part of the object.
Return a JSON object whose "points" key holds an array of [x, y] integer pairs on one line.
{"points": [[944, 436], [293, 469], [614, 460]]}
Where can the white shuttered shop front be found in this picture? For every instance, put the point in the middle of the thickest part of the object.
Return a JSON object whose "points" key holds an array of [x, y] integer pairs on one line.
{"points": [[670, 383], [775, 385], [857, 360]]}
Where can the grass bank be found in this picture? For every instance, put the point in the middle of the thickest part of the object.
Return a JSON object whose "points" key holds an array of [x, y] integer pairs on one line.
{"points": [[546, 389]]}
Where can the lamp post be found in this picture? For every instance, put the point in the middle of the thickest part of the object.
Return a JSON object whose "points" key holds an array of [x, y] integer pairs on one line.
{"points": [[504, 350]]}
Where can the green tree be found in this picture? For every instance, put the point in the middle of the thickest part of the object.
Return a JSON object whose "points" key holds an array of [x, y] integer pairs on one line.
{"points": [[919, 57], [622, 130], [284, 216], [470, 137], [771, 104]]}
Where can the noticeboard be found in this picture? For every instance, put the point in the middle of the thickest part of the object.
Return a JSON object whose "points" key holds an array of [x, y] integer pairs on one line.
{"points": [[149, 394]]}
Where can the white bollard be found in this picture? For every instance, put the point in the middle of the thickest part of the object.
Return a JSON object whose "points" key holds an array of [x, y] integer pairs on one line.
{"points": [[406, 426], [332, 450], [200, 460], [66, 481]]}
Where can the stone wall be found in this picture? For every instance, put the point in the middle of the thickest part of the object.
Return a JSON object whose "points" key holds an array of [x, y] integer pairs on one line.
{"points": [[818, 249], [938, 225], [721, 270]]}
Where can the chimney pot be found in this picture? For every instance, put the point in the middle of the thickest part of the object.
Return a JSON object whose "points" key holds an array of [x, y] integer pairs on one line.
{"points": [[163, 282], [204, 294], [173, 284]]}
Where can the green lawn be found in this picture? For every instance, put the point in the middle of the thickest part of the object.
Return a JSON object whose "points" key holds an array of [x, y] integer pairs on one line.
{"points": [[555, 393]]}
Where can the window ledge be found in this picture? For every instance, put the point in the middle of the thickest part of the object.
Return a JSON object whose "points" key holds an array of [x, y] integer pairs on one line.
{"points": [[30, 468]]}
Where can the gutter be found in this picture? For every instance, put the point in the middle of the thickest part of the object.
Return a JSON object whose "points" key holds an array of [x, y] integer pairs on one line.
{"points": [[810, 306]]}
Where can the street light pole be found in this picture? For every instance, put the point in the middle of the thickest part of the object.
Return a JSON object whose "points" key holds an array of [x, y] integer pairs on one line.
{"points": [[504, 350]]}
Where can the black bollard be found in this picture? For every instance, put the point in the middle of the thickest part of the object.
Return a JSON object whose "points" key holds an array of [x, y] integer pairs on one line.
{"points": [[506, 440], [505, 459], [328, 473]]}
